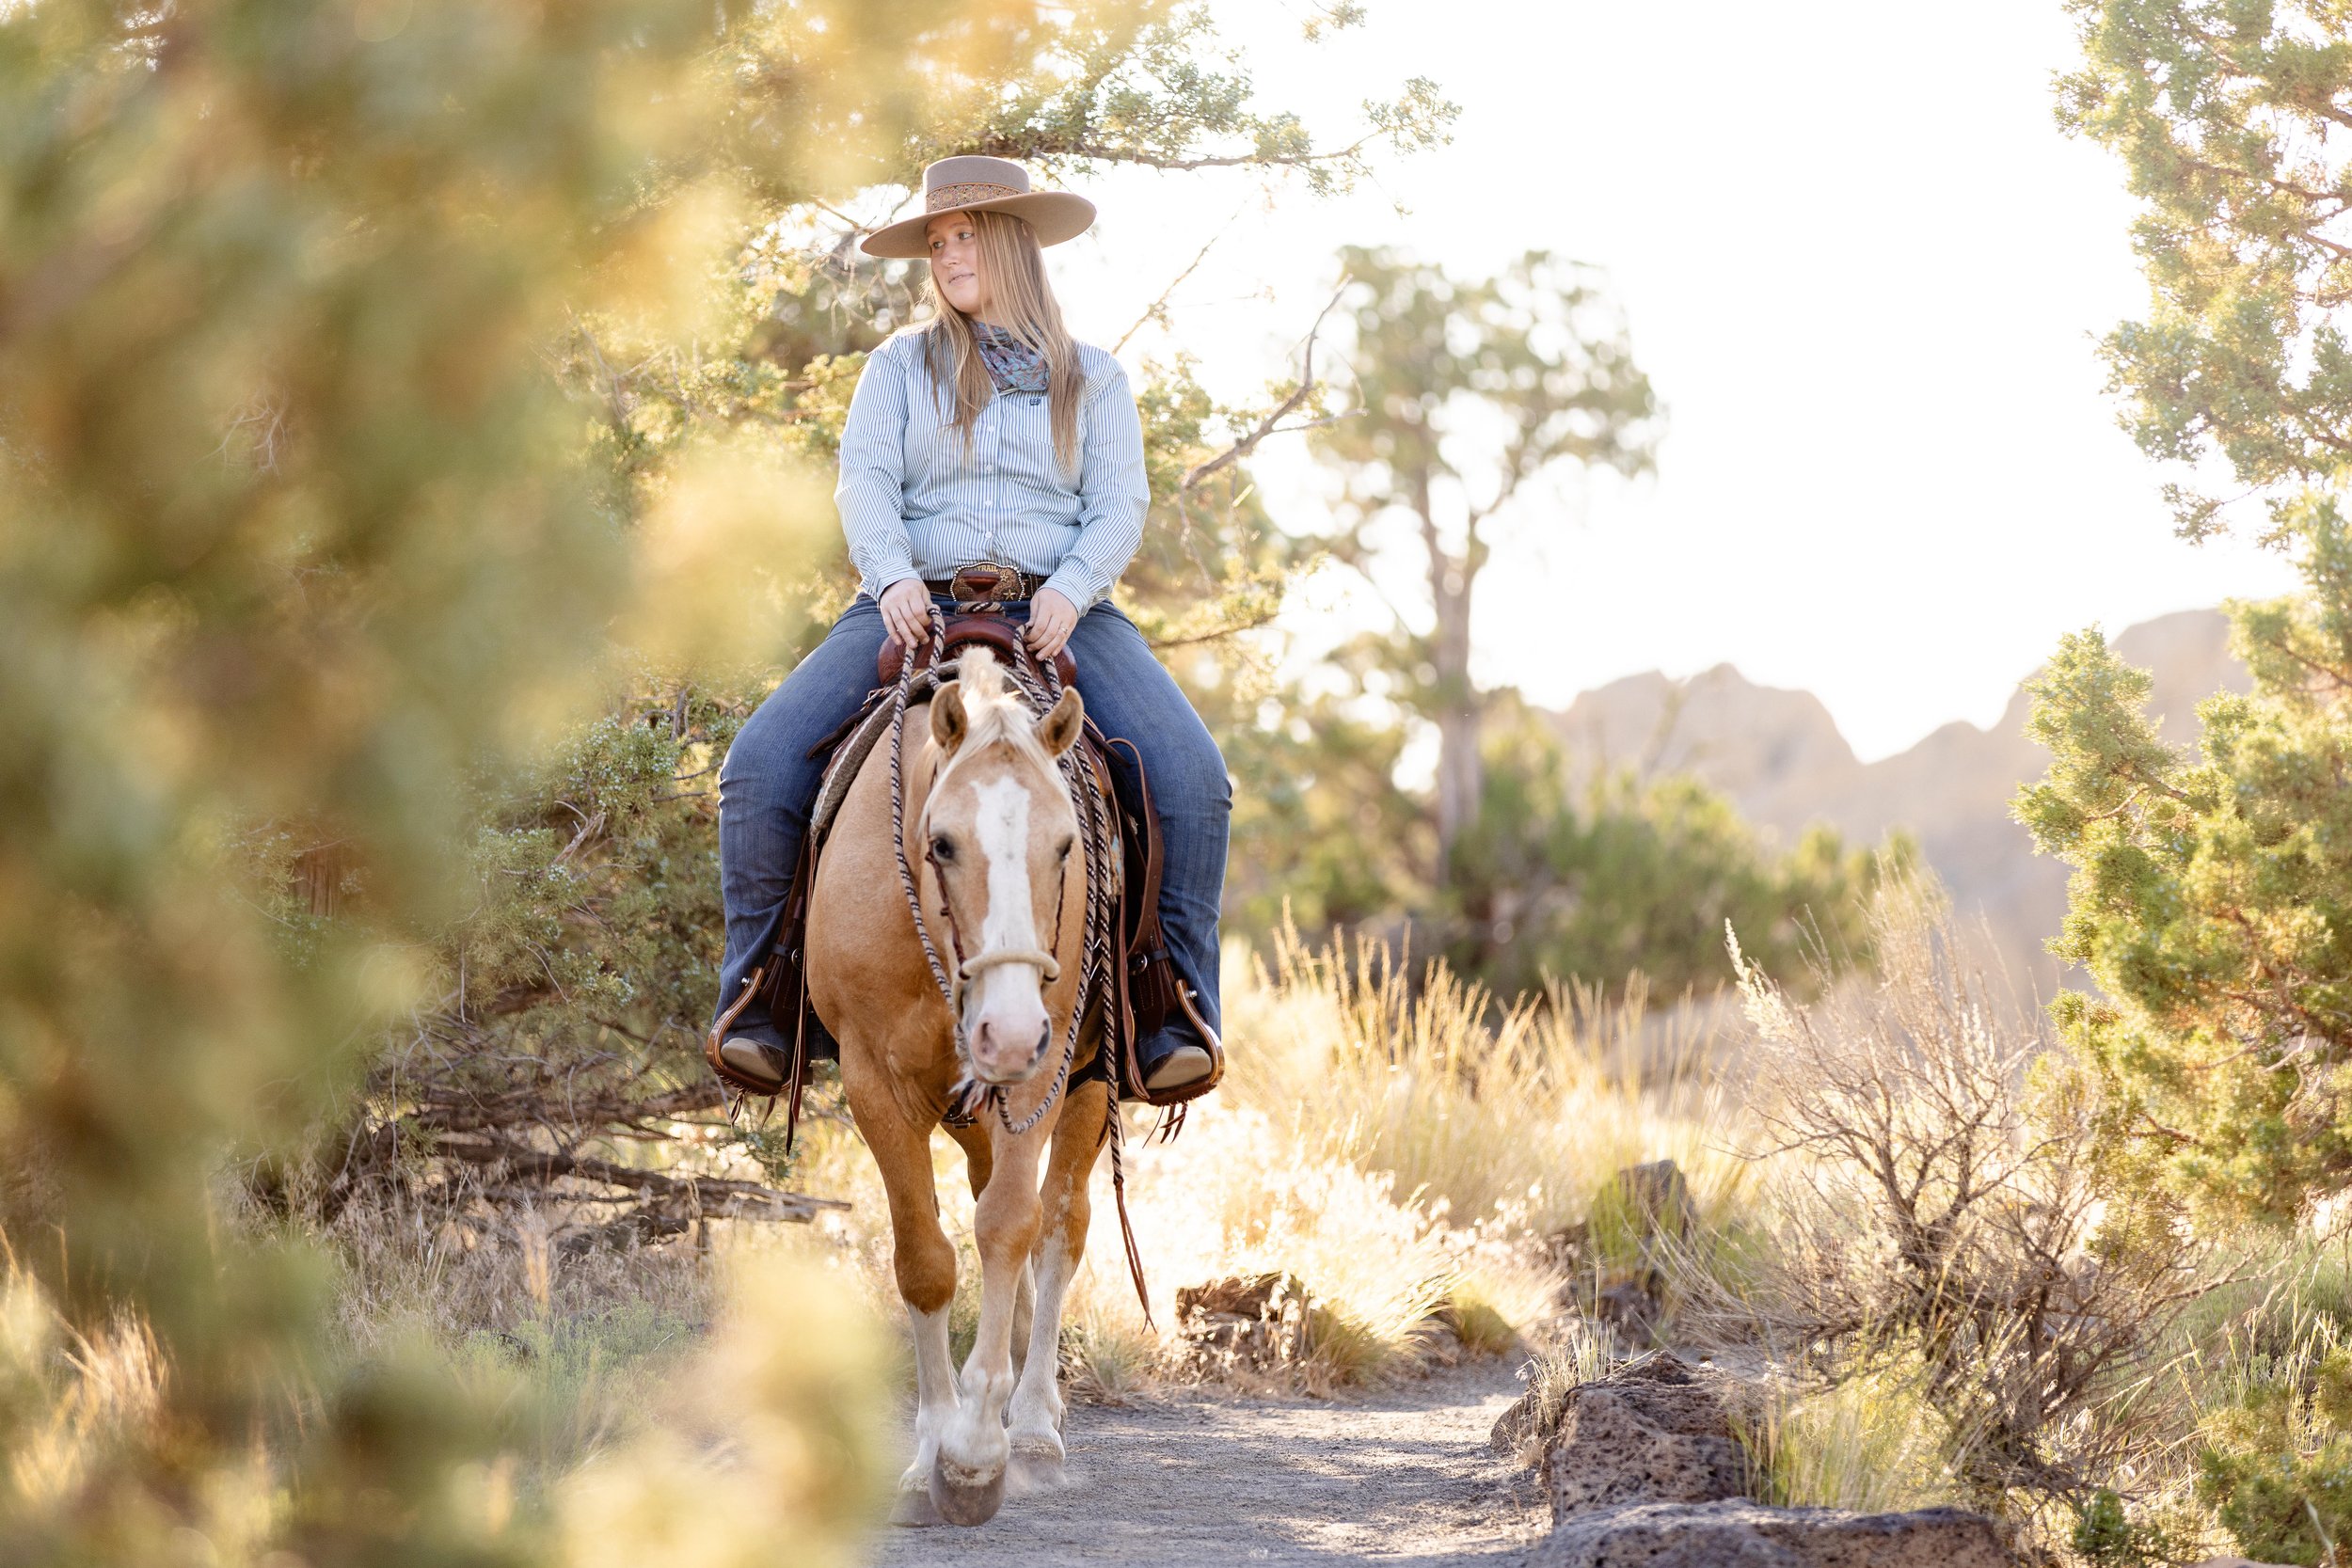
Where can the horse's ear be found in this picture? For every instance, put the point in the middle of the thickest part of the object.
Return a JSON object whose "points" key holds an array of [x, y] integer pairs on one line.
{"points": [[948, 721], [1059, 729]]}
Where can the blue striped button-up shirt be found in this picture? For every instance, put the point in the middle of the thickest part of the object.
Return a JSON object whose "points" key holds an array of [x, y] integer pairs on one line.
{"points": [[913, 504]]}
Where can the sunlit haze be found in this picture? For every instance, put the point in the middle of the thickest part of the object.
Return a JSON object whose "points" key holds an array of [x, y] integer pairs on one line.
{"points": [[1864, 269]]}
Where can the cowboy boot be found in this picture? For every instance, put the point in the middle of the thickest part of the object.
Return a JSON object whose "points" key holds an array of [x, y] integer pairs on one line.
{"points": [[1173, 1057], [757, 1060]]}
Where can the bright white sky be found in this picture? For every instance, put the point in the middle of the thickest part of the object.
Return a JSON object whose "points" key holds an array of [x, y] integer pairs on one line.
{"points": [[1863, 268]]}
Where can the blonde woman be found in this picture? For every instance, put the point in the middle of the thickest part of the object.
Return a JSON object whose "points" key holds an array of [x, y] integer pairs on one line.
{"points": [[984, 437]]}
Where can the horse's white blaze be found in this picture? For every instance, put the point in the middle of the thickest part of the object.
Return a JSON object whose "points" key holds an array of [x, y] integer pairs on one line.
{"points": [[1003, 822], [1008, 998]]}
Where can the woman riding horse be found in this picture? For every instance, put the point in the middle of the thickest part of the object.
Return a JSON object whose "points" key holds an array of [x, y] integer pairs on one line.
{"points": [[983, 439]]}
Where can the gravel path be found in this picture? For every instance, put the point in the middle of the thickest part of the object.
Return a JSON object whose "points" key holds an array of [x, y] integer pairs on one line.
{"points": [[1401, 1477]]}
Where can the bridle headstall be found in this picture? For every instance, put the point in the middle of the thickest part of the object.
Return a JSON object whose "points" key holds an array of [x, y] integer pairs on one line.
{"points": [[1041, 688]]}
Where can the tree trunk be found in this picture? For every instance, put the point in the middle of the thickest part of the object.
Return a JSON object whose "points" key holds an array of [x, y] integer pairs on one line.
{"points": [[1459, 775]]}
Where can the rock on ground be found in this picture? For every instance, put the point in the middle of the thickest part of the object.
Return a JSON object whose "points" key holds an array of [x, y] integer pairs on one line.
{"points": [[1737, 1533], [1254, 1323], [1654, 1432], [1643, 1472]]}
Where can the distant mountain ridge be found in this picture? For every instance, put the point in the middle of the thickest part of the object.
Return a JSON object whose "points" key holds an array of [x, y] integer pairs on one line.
{"points": [[1780, 756]]}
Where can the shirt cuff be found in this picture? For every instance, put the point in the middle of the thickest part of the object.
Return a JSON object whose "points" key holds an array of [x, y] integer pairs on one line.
{"points": [[1074, 584]]}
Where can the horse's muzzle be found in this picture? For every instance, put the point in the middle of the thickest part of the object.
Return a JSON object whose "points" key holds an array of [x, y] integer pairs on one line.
{"points": [[1012, 1055]]}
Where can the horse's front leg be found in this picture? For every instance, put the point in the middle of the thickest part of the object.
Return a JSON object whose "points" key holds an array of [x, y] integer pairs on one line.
{"points": [[968, 1480], [924, 1264], [1036, 1413], [979, 1157]]}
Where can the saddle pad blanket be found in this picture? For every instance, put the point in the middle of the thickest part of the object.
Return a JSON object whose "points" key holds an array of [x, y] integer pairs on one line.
{"points": [[848, 757]]}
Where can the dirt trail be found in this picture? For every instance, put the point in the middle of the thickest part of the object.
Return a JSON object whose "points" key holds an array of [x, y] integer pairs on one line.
{"points": [[1199, 1477]]}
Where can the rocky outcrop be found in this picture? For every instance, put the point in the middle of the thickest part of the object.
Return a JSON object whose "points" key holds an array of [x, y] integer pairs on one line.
{"points": [[1655, 1431], [1779, 756], [1648, 1206], [1253, 1323], [1643, 1468], [1737, 1533]]}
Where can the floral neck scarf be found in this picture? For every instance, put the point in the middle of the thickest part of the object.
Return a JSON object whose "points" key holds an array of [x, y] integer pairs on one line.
{"points": [[1012, 365]]}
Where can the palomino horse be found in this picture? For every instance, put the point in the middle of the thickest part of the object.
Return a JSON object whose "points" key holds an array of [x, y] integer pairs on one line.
{"points": [[994, 842]]}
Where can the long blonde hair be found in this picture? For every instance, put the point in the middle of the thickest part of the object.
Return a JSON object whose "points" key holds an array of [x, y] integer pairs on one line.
{"points": [[1013, 267]]}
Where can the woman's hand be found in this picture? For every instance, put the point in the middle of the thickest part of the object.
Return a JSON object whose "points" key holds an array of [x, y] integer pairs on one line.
{"points": [[906, 609], [1052, 619]]}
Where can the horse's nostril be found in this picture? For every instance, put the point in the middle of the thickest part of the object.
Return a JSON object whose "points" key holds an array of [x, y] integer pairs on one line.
{"points": [[1044, 1038]]}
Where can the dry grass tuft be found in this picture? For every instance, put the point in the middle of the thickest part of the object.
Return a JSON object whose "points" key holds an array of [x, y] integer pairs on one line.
{"points": [[1583, 1352], [1403, 1151], [1871, 1443], [1946, 1238], [68, 1400], [1477, 1108]]}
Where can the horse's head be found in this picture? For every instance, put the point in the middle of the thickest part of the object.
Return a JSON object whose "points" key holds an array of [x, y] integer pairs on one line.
{"points": [[999, 834]]}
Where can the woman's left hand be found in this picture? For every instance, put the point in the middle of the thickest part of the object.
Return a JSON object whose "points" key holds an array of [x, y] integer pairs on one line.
{"points": [[1052, 619]]}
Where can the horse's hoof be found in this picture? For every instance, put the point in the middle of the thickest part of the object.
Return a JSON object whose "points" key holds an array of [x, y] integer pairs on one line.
{"points": [[961, 1503], [914, 1510], [1036, 1468]]}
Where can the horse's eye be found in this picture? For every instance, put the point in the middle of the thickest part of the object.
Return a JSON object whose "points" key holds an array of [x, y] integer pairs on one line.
{"points": [[943, 848]]}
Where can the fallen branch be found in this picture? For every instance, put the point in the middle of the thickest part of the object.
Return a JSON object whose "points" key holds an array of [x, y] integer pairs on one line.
{"points": [[711, 1197]]}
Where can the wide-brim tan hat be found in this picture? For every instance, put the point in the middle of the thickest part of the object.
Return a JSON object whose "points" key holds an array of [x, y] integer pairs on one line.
{"points": [[976, 184]]}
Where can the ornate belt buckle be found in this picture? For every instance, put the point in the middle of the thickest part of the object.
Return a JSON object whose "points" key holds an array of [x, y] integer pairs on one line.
{"points": [[985, 583]]}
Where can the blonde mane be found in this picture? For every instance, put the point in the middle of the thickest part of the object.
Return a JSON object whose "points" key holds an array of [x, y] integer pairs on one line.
{"points": [[993, 709]]}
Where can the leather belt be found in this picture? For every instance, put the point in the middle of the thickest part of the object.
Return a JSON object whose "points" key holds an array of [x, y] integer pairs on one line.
{"points": [[986, 582]]}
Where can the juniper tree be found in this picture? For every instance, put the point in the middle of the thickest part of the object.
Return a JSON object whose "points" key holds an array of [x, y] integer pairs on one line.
{"points": [[1467, 392], [2209, 898], [1599, 877]]}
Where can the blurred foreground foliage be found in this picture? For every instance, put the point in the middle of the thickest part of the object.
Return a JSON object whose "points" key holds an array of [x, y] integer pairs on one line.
{"points": [[293, 530]]}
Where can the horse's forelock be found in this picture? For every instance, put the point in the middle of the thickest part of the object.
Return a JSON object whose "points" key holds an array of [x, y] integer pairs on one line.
{"points": [[995, 708]]}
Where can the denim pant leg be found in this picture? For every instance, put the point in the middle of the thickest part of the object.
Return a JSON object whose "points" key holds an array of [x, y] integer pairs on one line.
{"points": [[1130, 695], [767, 784]]}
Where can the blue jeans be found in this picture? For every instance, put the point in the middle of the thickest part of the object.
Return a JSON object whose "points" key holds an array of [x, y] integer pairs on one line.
{"points": [[767, 784]]}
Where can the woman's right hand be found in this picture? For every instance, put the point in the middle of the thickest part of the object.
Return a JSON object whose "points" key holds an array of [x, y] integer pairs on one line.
{"points": [[906, 609]]}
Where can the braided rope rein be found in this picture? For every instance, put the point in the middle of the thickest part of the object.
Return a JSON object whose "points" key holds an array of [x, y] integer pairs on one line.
{"points": [[1041, 689]]}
